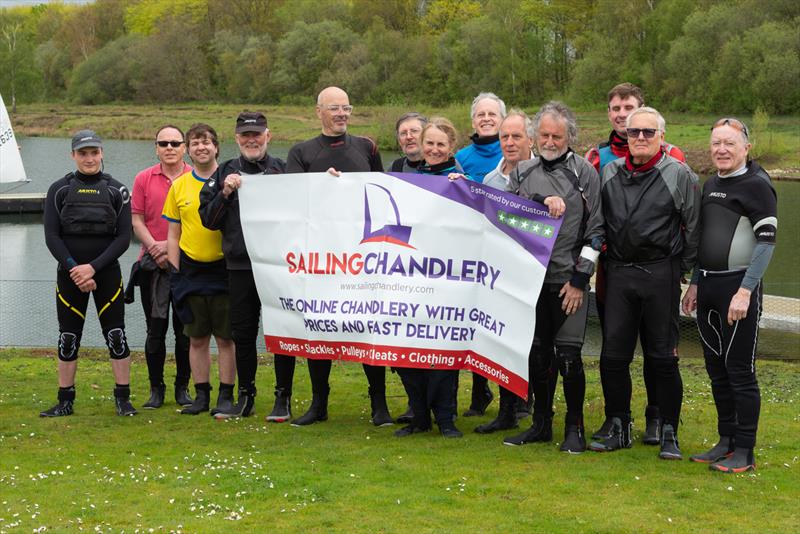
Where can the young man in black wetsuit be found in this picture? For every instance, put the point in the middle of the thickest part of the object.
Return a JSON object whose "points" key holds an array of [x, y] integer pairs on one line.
{"points": [[337, 151], [87, 225], [219, 210]]}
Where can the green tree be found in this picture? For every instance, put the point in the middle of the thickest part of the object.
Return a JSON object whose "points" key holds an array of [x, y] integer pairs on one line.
{"points": [[243, 65], [54, 63], [171, 65], [689, 61], [305, 52], [20, 79], [758, 69], [248, 17], [441, 15], [90, 82], [144, 16]]}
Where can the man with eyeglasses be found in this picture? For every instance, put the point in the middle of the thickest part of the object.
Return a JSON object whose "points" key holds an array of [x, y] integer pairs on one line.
{"points": [[219, 210], [651, 207], [409, 131], [622, 100], [150, 189], [477, 160], [739, 220], [337, 151]]}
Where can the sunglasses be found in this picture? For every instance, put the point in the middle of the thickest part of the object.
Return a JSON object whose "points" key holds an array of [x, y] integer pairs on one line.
{"points": [[173, 144], [736, 124], [633, 133]]}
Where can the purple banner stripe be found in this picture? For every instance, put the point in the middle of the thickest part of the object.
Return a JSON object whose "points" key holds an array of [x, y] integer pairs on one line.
{"points": [[489, 205]]}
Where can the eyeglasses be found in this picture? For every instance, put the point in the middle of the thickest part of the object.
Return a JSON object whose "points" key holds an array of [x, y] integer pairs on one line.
{"points": [[173, 144], [633, 133], [736, 124], [333, 108], [411, 132]]}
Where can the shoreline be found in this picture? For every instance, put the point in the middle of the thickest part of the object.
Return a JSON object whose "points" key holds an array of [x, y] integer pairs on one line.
{"points": [[293, 123]]}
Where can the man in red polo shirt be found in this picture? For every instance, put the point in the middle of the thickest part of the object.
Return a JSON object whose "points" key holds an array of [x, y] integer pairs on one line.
{"points": [[150, 189]]}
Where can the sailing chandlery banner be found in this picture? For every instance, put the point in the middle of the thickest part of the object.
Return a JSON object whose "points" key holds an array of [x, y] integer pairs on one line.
{"points": [[401, 270]]}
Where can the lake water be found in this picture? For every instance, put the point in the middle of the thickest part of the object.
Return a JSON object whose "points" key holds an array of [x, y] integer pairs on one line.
{"points": [[27, 270]]}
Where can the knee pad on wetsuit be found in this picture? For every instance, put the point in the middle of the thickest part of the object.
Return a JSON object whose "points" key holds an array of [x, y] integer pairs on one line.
{"points": [[664, 367], [117, 344], [155, 345], [541, 358], [68, 345], [570, 363]]}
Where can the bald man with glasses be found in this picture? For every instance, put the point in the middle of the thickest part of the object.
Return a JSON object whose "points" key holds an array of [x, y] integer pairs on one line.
{"points": [[337, 151]]}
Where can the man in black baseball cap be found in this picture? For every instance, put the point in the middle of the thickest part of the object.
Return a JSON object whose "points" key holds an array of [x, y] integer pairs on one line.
{"points": [[251, 121], [86, 139], [219, 210]]}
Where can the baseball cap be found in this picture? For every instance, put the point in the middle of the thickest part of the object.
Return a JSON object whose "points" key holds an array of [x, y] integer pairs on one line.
{"points": [[251, 121], [85, 139]]}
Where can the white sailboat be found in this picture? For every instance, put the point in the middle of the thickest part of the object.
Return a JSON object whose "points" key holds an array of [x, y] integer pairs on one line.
{"points": [[11, 169]]}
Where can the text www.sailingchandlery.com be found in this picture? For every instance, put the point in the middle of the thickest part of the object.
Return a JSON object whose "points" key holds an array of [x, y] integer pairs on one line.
{"points": [[380, 286]]}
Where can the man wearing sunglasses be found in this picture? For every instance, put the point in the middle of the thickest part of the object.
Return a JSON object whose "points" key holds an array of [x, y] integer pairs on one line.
{"points": [[150, 189], [737, 238], [219, 210], [337, 151], [651, 207], [622, 100]]}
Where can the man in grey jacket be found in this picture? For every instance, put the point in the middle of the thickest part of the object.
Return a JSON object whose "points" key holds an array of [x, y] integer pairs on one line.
{"points": [[570, 188], [516, 142]]}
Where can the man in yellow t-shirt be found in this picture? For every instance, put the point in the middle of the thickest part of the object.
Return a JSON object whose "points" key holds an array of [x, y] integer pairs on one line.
{"points": [[199, 281]]}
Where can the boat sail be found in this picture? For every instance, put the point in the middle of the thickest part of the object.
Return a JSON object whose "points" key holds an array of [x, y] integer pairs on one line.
{"points": [[11, 169]]}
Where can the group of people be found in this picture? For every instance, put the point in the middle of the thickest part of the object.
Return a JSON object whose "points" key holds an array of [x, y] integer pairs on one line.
{"points": [[632, 212]]}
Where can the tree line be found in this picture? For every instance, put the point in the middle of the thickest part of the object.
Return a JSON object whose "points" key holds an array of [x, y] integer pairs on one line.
{"points": [[729, 56]]}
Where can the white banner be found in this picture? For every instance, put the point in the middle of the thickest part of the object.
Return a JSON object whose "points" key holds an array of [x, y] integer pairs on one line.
{"points": [[401, 270]]}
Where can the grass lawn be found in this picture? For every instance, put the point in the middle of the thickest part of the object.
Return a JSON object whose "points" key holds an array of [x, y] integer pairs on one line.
{"points": [[160, 471]]}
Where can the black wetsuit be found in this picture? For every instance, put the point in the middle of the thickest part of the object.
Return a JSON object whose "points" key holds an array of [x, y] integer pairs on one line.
{"points": [[738, 224], [220, 213], [87, 220], [558, 337], [651, 213], [345, 153]]}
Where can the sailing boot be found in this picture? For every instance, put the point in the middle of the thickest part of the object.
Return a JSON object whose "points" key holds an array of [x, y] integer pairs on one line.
{"points": [[156, 399], [618, 437], [202, 398], [540, 430], [652, 426], [282, 409], [243, 408], [506, 416], [318, 411], [720, 451], [224, 399]]}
